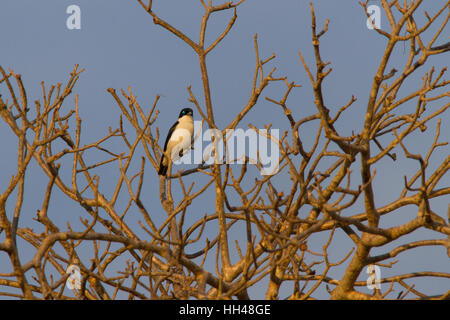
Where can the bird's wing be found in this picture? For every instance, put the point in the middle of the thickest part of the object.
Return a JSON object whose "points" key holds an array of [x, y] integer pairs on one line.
{"points": [[171, 130]]}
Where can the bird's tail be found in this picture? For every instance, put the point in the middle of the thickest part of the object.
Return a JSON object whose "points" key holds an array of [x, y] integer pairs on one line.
{"points": [[162, 168]]}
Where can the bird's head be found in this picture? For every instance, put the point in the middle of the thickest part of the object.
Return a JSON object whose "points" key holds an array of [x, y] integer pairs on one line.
{"points": [[186, 112]]}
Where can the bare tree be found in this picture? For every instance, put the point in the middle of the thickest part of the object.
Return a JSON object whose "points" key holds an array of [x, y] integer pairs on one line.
{"points": [[172, 260]]}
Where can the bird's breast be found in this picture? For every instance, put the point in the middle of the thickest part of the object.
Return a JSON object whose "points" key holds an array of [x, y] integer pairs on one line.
{"points": [[181, 137]]}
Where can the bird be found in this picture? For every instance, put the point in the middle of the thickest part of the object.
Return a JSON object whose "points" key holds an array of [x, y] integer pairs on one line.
{"points": [[178, 140]]}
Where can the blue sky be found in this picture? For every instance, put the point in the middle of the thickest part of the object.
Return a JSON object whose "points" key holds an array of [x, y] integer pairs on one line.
{"points": [[120, 47]]}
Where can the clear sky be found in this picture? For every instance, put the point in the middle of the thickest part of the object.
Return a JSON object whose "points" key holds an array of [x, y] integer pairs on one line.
{"points": [[119, 46]]}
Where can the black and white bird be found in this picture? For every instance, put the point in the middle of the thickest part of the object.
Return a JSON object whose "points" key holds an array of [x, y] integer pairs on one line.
{"points": [[178, 141]]}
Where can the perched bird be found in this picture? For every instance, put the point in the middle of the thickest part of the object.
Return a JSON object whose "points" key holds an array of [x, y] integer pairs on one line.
{"points": [[178, 140]]}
